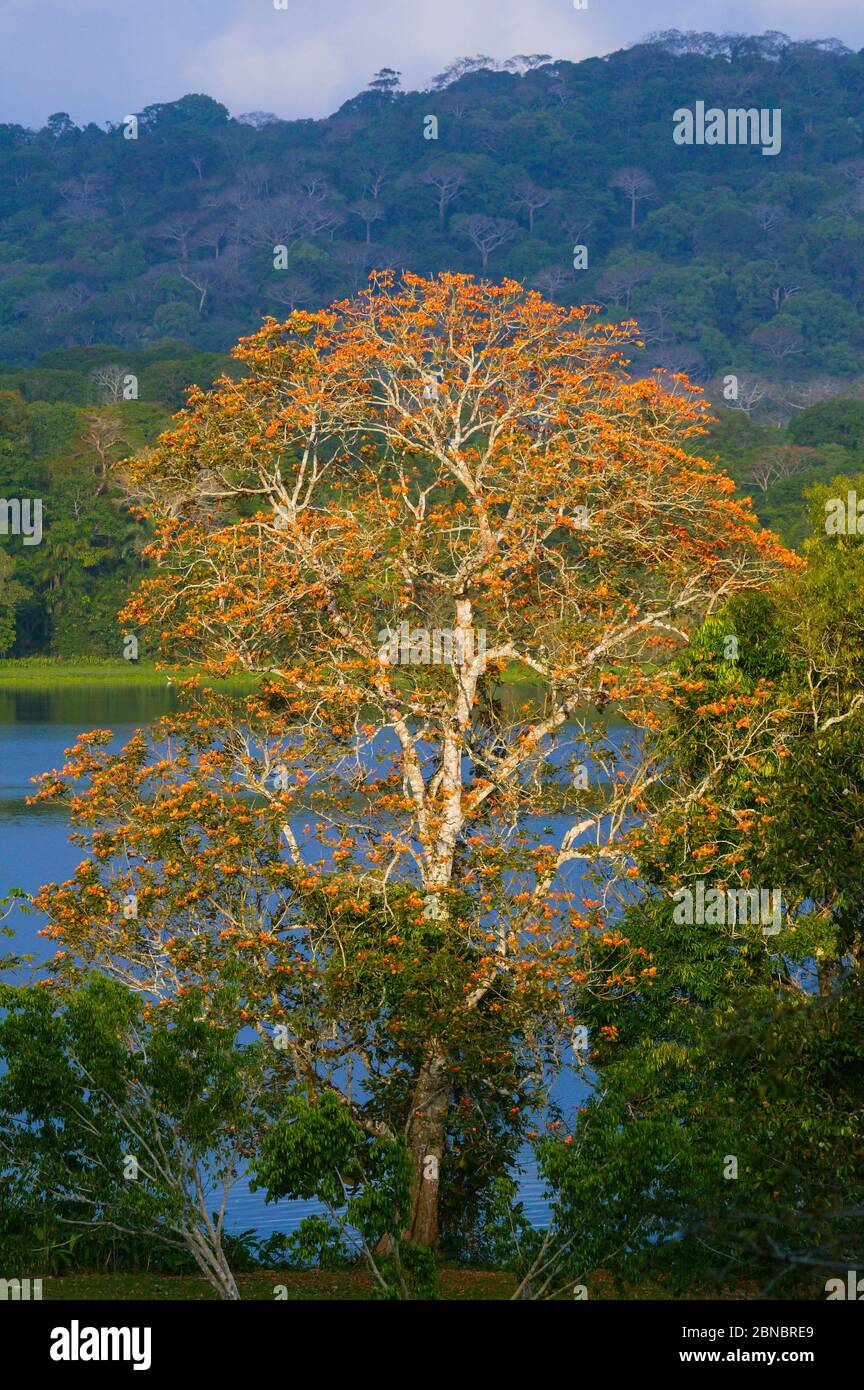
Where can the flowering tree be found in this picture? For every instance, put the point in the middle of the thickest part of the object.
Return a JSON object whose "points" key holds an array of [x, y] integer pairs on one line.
{"points": [[405, 500]]}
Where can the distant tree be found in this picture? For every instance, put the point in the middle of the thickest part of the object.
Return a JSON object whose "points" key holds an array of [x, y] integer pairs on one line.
{"points": [[196, 109], [60, 124], [293, 292], [778, 341], [375, 180], [533, 199], [461, 67], [798, 395], [779, 461], [200, 278], [110, 381], [214, 234], [769, 215], [104, 441], [178, 229], [81, 197], [487, 233], [662, 309], [552, 279], [48, 305], [636, 185], [783, 285], [285, 220], [524, 62], [578, 222], [454, 105], [198, 161], [258, 119], [259, 177], [448, 180], [619, 282], [750, 391], [313, 183], [490, 137], [386, 81], [368, 211]]}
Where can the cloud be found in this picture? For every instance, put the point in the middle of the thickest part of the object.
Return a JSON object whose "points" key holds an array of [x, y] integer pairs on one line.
{"points": [[250, 69], [275, 60], [102, 58]]}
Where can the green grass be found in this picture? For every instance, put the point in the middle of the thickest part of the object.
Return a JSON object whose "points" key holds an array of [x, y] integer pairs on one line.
{"points": [[455, 1284], [51, 671], [308, 1285], [55, 670]]}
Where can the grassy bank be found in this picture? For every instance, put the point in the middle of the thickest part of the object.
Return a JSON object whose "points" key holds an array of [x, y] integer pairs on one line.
{"points": [[28, 668], [47, 672], [55, 670], [517, 685]]}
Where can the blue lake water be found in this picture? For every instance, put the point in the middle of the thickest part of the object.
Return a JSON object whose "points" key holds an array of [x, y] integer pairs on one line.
{"points": [[36, 726]]}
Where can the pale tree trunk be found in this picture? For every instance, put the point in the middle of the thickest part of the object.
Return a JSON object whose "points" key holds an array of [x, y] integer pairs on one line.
{"points": [[426, 1128], [204, 1241], [210, 1259], [426, 1136]]}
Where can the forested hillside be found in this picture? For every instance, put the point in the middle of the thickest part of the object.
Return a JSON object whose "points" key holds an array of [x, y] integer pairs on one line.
{"points": [[113, 240], [145, 258]]}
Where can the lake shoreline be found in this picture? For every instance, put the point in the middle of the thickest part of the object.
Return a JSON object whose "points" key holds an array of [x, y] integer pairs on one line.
{"points": [[48, 671]]}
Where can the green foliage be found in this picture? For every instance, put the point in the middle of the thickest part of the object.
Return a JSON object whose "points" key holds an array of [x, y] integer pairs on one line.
{"points": [[93, 1082], [11, 594], [745, 446], [60, 443], [831, 422], [315, 1149], [740, 1046]]}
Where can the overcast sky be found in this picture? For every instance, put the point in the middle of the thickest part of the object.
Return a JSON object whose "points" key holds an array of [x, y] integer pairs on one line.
{"points": [[99, 59]]}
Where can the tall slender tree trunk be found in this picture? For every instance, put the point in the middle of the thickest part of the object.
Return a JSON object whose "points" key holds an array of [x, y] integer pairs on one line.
{"points": [[426, 1130], [210, 1259], [426, 1136]]}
